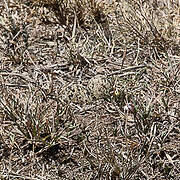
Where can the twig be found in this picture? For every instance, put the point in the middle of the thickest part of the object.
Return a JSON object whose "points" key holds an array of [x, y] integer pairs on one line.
{"points": [[19, 75], [13, 175], [74, 28], [124, 57], [137, 52], [16, 85], [127, 69]]}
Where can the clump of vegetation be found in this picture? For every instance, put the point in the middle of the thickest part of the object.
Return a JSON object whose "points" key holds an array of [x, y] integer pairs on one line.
{"points": [[89, 89]]}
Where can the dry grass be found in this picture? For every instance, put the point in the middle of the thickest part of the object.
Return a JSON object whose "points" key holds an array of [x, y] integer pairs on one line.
{"points": [[89, 89]]}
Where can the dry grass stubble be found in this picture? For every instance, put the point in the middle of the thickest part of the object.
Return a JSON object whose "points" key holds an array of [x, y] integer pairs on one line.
{"points": [[89, 90]]}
